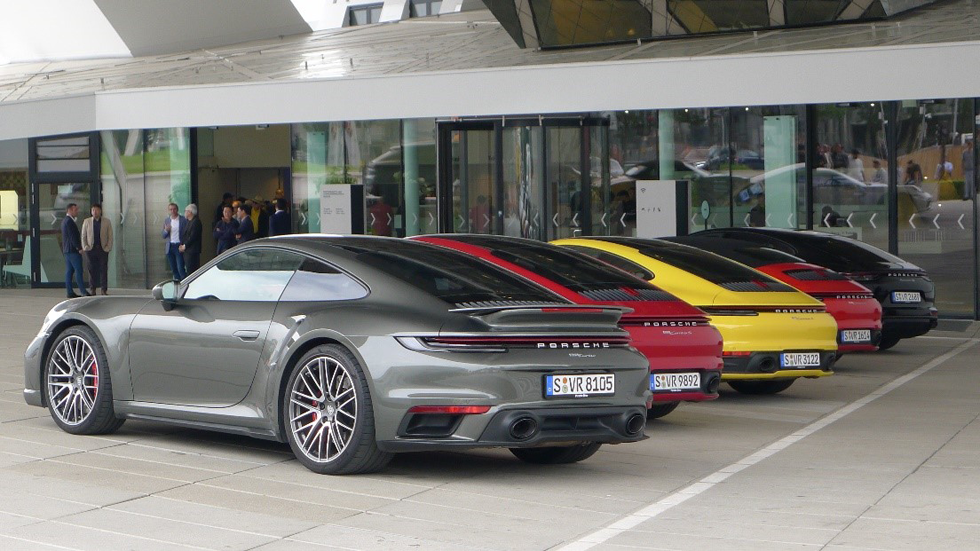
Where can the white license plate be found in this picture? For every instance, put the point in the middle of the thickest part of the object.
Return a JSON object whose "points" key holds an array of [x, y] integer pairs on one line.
{"points": [[675, 381], [579, 386], [800, 359], [906, 296], [855, 335]]}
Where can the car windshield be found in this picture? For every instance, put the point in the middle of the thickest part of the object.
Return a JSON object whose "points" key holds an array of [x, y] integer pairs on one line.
{"points": [[567, 268], [707, 266], [448, 275]]}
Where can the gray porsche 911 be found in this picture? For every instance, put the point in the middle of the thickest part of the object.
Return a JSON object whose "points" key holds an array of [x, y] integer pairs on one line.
{"points": [[350, 349]]}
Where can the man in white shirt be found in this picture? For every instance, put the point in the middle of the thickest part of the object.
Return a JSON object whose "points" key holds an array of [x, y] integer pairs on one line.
{"points": [[855, 167], [171, 232]]}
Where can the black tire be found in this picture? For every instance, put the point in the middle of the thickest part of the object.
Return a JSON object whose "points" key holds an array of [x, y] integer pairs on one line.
{"points": [[557, 455], [888, 341], [660, 410], [762, 387], [87, 406], [360, 454]]}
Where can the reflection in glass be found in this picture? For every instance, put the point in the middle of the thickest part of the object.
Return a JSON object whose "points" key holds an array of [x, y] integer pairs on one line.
{"points": [[317, 160], [52, 200], [936, 194], [374, 159], [568, 22], [167, 179], [523, 181], [566, 182], [767, 166], [419, 160], [850, 189], [633, 142], [123, 205], [473, 160]]}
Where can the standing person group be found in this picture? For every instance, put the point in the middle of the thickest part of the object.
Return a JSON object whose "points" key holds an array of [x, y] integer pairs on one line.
{"points": [[183, 235], [244, 220], [94, 241]]}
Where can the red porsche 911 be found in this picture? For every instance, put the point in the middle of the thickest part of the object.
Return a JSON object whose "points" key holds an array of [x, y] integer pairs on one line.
{"points": [[852, 305], [684, 350]]}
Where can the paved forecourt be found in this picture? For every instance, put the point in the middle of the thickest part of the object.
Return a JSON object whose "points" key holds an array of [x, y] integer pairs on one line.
{"points": [[883, 455]]}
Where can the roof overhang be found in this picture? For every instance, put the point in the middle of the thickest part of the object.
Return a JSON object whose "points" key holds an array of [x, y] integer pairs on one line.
{"points": [[801, 77]]}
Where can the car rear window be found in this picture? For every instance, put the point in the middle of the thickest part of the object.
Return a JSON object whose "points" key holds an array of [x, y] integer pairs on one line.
{"points": [[749, 254], [838, 254], [708, 266], [448, 275]]}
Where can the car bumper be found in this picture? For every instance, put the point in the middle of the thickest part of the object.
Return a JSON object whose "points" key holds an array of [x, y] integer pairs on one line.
{"points": [[553, 426], [908, 326], [760, 366]]}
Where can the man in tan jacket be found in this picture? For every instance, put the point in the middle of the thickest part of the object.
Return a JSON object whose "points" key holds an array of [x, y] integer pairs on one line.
{"points": [[97, 242]]}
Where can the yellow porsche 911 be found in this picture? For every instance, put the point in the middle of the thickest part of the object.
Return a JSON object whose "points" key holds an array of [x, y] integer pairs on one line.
{"points": [[773, 333]]}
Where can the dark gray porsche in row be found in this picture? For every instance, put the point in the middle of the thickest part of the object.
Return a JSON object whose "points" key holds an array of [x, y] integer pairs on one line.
{"points": [[349, 349]]}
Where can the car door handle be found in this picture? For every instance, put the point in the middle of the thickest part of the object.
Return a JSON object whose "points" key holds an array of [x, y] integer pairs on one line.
{"points": [[246, 334]]}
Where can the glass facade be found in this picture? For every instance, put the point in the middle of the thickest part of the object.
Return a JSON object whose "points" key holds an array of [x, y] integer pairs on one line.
{"points": [[564, 23], [142, 172], [897, 175]]}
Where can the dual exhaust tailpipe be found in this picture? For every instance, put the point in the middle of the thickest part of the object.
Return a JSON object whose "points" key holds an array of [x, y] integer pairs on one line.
{"points": [[525, 428]]}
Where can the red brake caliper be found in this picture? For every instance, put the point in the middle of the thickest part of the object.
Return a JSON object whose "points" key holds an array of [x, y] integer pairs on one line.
{"points": [[95, 373]]}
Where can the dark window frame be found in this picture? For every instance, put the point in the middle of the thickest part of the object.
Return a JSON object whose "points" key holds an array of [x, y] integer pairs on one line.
{"points": [[367, 9]]}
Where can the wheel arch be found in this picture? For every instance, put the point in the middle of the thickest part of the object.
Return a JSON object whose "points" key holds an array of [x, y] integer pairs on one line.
{"points": [[287, 368], [60, 327]]}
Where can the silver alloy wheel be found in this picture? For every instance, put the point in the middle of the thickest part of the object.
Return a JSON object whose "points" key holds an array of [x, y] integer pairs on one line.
{"points": [[73, 380], [323, 409]]}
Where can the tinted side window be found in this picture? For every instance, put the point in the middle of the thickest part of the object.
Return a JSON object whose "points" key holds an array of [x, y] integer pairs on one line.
{"points": [[317, 282], [617, 261], [257, 275], [448, 275]]}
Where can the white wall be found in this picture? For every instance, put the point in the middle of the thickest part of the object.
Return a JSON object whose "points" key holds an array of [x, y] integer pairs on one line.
{"points": [[13, 154], [846, 75]]}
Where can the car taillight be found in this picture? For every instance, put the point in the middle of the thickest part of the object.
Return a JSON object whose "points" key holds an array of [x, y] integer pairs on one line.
{"points": [[730, 312], [736, 354], [843, 296], [504, 343], [862, 276], [450, 410]]}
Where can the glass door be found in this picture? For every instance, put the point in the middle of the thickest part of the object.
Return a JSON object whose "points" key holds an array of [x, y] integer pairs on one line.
{"points": [[525, 177], [52, 202], [471, 174], [63, 170]]}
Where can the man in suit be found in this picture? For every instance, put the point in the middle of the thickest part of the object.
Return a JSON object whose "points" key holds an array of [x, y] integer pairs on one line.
{"points": [[97, 242], [279, 223], [172, 227], [190, 239], [245, 231], [71, 246]]}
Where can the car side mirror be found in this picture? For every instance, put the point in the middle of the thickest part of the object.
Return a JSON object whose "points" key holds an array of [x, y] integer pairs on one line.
{"points": [[166, 293]]}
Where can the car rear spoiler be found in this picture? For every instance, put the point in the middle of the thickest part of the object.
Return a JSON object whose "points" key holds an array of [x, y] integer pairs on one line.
{"points": [[556, 317]]}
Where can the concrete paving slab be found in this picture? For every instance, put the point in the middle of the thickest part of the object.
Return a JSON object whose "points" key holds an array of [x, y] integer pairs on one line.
{"points": [[901, 465]]}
